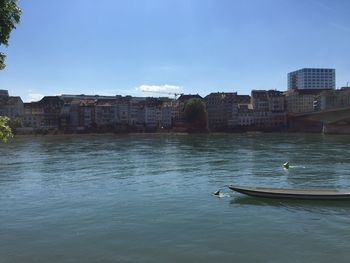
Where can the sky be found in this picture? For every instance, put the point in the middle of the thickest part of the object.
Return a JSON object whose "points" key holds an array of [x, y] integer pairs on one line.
{"points": [[118, 47]]}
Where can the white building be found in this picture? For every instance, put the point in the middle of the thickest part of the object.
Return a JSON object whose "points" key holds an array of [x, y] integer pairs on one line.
{"points": [[311, 78]]}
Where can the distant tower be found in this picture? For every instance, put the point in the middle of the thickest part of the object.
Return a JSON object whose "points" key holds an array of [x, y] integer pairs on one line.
{"points": [[311, 78]]}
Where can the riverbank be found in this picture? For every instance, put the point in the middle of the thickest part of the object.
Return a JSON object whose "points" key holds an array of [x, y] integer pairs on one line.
{"points": [[316, 129]]}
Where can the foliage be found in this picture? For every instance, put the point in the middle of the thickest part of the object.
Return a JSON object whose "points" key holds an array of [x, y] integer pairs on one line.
{"points": [[9, 17], [196, 113], [15, 123], [5, 130]]}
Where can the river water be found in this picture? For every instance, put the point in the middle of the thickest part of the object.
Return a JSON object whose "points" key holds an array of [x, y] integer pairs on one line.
{"points": [[147, 198]]}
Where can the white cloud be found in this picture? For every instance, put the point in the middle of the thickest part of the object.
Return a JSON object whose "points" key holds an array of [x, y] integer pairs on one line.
{"points": [[34, 97], [159, 88]]}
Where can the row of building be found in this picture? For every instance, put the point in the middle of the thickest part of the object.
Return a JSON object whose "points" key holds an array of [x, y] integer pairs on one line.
{"points": [[270, 109], [78, 113], [263, 109], [309, 90]]}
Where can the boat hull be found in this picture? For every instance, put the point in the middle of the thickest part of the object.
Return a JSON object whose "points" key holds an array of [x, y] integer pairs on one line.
{"points": [[282, 193]]}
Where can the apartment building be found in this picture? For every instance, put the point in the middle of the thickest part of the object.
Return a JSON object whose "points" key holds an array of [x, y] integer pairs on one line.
{"points": [[221, 108], [34, 116], [11, 106], [333, 99], [311, 78], [301, 101], [268, 109]]}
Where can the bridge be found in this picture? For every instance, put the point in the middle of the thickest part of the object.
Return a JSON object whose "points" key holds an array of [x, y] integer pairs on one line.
{"points": [[335, 120], [326, 116]]}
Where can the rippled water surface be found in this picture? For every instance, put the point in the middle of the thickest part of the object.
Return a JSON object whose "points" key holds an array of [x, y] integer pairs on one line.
{"points": [[147, 198]]}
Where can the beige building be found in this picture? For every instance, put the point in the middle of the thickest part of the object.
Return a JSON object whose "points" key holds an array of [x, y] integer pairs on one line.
{"points": [[276, 101], [301, 101], [332, 99], [221, 108], [34, 116], [104, 113], [269, 109], [259, 100]]}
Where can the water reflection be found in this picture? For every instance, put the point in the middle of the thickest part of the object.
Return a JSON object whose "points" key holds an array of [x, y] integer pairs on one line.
{"points": [[313, 206]]}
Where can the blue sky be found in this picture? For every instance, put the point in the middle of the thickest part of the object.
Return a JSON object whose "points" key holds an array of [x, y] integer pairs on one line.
{"points": [[111, 47]]}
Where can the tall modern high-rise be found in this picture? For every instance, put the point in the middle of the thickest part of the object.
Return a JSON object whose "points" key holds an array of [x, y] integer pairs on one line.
{"points": [[311, 78]]}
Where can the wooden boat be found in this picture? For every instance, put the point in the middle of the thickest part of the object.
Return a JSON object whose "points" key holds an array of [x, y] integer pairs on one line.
{"points": [[314, 194]]}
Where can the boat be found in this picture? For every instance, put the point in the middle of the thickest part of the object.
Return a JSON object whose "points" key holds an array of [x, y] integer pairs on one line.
{"points": [[310, 194]]}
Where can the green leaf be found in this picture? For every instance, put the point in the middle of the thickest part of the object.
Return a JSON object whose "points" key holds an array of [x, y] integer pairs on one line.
{"points": [[5, 130], [9, 17]]}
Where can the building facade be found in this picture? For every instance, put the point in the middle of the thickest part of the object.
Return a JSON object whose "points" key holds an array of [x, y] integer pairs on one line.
{"points": [[11, 106], [269, 109], [34, 116], [332, 99], [241, 112], [301, 101], [311, 78], [221, 107]]}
